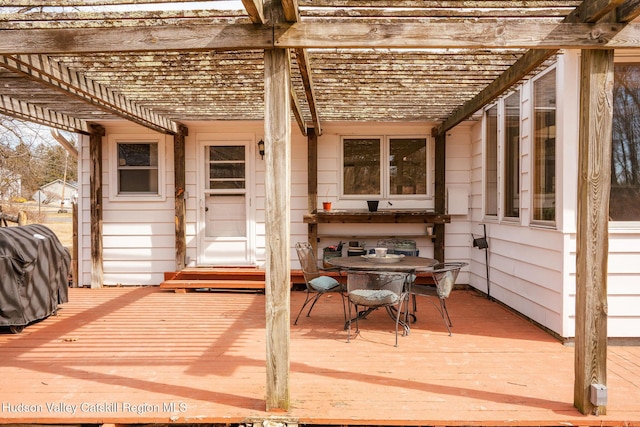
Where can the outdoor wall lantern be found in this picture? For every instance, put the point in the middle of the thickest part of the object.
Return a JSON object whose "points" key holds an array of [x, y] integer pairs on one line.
{"points": [[261, 149]]}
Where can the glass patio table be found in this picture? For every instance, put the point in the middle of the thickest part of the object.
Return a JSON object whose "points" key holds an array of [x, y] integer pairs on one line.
{"points": [[406, 264], [390, 263]]}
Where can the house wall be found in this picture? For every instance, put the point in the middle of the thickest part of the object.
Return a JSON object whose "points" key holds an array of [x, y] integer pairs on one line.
{"points": [[533, 268], [457, 175], [526, 268], [139, 237]]}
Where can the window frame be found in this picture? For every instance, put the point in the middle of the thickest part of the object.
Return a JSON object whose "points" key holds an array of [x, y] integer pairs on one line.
{"points": [[623, 224], [114, 168], [385, 174], [499, 184], [533, 221], [518, 163], [486, 158]]}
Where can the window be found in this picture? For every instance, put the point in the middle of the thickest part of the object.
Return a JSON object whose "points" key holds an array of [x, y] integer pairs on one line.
{"points": [[625, 165], [512, 156], [491, 162], [361, 166], [407, 166], [138, 168], [366, 173], [544, 148], [502, 158]]}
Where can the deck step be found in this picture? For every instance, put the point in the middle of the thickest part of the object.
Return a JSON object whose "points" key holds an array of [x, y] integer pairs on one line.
{"points": [[237, 279], [189, 284]]}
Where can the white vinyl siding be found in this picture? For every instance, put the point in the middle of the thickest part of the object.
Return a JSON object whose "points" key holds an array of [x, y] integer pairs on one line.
{"points": [[138, 231]]}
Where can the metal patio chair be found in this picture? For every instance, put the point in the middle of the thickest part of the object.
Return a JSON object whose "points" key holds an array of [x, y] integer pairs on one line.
{"points": [[375, 289], [444, 276], [317, 284]]}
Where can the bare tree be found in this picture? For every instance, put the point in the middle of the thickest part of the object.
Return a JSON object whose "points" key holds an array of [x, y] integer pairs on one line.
{"points": [[30, 158], [625, 165]]}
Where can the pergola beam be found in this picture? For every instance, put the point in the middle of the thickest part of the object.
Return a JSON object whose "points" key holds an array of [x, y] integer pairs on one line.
{"points": [[39, 68], [291, 10], [503, 34], [628, 11], [292, 15], [35, 114], [295, 103], [588, 12], [305, 72], [255, 11]]}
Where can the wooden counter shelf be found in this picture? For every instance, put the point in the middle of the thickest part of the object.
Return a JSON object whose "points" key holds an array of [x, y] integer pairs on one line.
{"points": [[379, 217], [365, 217]]}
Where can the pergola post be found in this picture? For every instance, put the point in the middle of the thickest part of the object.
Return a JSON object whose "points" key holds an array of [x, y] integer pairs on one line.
{"points": [[439, 202], [95, 199], [312, 184], [277, 136], [594, 185], [180, 195]]}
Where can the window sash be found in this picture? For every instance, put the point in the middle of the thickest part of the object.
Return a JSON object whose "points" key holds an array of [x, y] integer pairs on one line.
{"points": [[491, 162], [366, 174], [511, 179], [138, 168], [227, 167], [407, 166], [544, 148], [361, 166]]}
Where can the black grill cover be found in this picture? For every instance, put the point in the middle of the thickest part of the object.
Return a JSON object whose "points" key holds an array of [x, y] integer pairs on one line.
{"points": [[34, 270]]}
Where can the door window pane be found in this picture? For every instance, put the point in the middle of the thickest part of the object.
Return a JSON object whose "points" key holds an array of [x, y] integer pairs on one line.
{"points": [[625, 162], [361, 167], [226, 167], [544, 148], [512, 156], [408, 165]]}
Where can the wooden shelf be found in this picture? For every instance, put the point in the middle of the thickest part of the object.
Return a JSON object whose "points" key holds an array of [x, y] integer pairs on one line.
{"points": [[435, 220], [366, 217]]}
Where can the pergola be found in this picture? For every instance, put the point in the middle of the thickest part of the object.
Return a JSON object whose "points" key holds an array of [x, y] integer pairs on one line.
{"points": [[69, 64]]}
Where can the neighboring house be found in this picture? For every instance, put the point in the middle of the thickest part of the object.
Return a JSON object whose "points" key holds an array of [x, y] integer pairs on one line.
{"points": [[58, 190], [512, 170], [10, 184]]}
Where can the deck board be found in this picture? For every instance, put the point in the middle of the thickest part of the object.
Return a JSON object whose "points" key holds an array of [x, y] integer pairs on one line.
{"points": [[145, 348]]}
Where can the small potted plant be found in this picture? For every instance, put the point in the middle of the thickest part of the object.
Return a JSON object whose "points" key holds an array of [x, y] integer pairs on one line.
{"points": [[326, 204]]}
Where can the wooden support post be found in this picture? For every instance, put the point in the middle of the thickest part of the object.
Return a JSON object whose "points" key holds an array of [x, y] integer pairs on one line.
{"points": [[277, 132], [594, 185], [440, 167], [180, 196], [74, 245], [95, 198], [312, 184]]}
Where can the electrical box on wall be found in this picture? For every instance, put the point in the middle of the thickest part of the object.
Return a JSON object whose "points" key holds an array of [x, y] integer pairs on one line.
{"points": [[457, 201]]}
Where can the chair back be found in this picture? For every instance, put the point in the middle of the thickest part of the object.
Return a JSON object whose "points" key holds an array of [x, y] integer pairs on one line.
{"points": [[376, 288], [445, 275], [308, 262]]}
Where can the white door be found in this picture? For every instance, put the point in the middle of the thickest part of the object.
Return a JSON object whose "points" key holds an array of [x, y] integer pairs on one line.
{"points": [[225, 205]]}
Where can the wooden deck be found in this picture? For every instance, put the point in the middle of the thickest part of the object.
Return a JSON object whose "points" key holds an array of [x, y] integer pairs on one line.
{"points": [[146, 355]]}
